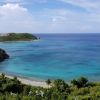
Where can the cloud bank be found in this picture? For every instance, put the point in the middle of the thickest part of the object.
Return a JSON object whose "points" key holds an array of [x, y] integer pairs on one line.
{"points": [[16, 16]]}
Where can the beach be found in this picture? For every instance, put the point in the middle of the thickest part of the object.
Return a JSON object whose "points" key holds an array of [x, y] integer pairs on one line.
{"points": [[27, 81]]}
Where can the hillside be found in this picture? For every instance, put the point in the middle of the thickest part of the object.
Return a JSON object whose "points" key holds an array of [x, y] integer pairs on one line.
{"points": [[17, 37]]}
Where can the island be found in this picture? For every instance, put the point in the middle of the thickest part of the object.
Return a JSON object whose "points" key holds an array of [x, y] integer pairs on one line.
{"points": [[17, 37], [3, 55]]}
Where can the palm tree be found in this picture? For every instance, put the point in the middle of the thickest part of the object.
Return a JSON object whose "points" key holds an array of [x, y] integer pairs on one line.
{"points": [[48, 82]]}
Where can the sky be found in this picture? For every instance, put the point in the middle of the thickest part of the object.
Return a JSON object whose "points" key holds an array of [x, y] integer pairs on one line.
{"points": [[50, 16]]}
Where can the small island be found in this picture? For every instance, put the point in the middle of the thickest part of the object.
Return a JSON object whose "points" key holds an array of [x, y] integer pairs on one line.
{"points": [[17, 37], [3, 55]]}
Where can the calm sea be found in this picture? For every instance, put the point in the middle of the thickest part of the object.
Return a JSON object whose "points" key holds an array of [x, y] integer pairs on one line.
{"points": [[64, 56]]}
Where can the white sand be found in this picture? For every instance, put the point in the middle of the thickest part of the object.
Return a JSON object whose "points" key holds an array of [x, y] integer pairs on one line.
{"points": [[29, 82]]}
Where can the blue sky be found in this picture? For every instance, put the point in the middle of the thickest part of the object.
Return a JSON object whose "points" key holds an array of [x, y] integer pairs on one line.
{"points": [[50, 16]]}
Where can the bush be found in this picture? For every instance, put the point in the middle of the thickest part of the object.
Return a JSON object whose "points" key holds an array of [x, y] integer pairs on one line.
{"points": [[26, 89], [81, 82], [12, 89], [61, 86]]}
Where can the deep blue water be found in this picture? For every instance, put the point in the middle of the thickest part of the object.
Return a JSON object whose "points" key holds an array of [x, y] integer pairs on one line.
{"points": [[65, 56]]}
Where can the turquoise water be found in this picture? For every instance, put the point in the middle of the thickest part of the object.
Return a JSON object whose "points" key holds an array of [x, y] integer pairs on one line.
{"points": [[54, 56]]}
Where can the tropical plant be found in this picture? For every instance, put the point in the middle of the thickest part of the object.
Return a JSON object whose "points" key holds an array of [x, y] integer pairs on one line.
{"points": [[48, 82], [80, 82]]}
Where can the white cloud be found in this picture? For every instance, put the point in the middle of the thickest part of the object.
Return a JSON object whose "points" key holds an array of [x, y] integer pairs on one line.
{"points": [[23, 2], [14, 18], [13, 0], [89, 5], [62, 20], [17, 18]]}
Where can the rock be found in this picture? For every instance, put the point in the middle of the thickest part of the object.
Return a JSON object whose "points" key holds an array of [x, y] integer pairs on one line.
{"points": [[3, 55]]}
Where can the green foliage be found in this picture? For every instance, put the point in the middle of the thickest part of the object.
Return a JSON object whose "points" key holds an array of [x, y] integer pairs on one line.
{"points": [[48, 82], [81, 82], [3, 76], [26, 89], [13, 89], [17, 37], [61, 86]]}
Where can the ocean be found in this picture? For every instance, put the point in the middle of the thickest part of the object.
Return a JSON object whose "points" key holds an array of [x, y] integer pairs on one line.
{"points": [[53, 56]]}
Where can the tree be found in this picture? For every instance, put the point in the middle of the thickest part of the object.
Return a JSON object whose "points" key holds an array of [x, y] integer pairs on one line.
{"points": [[74, 82], [80, 82], [83, 81], [15, 80], [48, 82], [2, 79], [60, 85], [3, 76], [26, 89]]}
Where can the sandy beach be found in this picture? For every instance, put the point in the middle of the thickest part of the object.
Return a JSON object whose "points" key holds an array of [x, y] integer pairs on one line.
{"points": [[29, 81]]}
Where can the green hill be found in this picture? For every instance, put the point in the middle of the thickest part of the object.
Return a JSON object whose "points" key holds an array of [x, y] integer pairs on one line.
{"points": [[17, 37]]}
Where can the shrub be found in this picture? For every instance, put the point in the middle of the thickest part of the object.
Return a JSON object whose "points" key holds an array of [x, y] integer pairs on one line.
{"points": [[81, 82]]}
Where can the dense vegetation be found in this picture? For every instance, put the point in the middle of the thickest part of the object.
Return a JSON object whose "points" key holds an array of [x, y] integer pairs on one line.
{"points": [[17, 37], [3, 55], [78, 89]]}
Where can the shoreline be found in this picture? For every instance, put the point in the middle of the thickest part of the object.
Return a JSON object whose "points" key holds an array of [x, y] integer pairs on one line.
{"points": [[32, 81], [28, 81]]}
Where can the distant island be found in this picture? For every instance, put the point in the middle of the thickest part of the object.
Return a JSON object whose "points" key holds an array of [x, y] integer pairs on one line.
{"points": [[17, 37]]}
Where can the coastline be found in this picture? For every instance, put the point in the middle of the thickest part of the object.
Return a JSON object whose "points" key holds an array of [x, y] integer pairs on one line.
{"points": [[27, 81]]}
